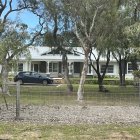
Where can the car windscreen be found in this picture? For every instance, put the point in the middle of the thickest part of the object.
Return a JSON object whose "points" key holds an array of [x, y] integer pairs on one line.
{"points": [[24, 73]]}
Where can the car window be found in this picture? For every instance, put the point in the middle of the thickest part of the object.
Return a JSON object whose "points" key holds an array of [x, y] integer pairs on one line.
{"points": [[27, 73], [20, 73], [43, 75], [35, 74]]}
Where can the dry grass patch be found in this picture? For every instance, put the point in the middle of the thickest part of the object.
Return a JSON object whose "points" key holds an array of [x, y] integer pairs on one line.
{"points": [[124, 135], [29, 136], [6, 137], [56, 135]]}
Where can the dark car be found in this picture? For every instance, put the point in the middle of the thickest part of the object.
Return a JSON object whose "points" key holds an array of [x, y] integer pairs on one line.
{"points": [[32, 77]]}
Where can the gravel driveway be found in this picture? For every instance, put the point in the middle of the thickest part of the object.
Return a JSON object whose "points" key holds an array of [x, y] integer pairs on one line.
{"points": [[73, 114]]}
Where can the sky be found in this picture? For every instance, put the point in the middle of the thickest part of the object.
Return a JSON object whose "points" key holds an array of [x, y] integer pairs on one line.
{"points": [[25, 17]]}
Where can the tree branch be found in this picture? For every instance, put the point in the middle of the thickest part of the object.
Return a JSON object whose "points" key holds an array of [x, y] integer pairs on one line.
{"points": [[78, 36], [30, 43], [2, 6], [93, 20], [25, 6]]}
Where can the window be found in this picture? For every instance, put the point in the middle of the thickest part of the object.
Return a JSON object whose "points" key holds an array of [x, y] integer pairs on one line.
{"points": [[110, 68], [102, 68], [20, 67], [130, 68], [36, 67], [76, 67], [89, 69], [26, 73], [53, 67]]}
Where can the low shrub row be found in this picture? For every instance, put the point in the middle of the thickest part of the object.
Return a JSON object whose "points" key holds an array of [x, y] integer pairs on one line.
{"points": [[105, 82]]}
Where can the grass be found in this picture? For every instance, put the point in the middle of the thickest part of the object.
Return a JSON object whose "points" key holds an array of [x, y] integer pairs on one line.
{"points": [[28, 131], [57, 94]]}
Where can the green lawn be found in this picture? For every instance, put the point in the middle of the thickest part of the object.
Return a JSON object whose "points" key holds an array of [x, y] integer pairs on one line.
{"points": [[52, 94], [20, 131]]}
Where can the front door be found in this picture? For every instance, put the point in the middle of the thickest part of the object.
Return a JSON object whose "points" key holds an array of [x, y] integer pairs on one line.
{"points": [[36, 67]]}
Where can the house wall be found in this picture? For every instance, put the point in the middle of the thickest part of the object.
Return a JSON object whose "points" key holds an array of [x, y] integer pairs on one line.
{"points": [[25, 66], [75, 66], [43, 57], [115, 69]]}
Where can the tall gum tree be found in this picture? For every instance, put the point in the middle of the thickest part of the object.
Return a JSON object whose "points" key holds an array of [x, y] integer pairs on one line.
{"points": [[59, 31], [132, 33], [125, 17], [13, 35], [102, 47], [83, 14], [96, 66]]}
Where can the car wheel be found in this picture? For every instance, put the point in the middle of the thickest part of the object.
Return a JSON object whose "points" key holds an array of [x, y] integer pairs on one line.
{"points": [[20, 81], [45, 82]]}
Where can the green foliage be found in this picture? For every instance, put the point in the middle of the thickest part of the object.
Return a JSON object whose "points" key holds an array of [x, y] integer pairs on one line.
{"points": [[13, 40], [107, 81], [136, 73]]}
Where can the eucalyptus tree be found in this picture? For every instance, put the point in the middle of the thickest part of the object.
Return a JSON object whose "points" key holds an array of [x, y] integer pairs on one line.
{"points": [[84, 14], [95, 63], [59, 35], [132, 33], [14, 38], [122, 45], [67, 40], [102, 47]]}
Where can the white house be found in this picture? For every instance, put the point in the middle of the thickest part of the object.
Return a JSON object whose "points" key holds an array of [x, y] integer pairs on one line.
{"points": [[45, 61]]}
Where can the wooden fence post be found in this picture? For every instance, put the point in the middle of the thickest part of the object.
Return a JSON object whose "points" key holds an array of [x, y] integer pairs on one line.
{"points": [[18, 100]]}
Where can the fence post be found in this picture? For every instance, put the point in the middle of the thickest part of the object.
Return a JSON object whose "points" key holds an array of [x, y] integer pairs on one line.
{"points": [[18, 100]]}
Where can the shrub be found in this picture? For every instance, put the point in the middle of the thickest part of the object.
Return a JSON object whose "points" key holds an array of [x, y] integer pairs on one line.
{"points": [[136, 73], [105, 82]]}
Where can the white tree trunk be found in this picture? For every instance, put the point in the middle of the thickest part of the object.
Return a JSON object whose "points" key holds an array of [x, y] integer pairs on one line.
{"points": [[80, 91]]}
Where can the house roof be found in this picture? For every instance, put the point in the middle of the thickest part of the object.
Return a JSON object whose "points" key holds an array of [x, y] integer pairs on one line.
{"points": [[51, 54]]}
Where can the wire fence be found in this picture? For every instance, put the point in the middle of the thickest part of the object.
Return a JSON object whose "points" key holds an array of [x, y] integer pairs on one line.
{"points": [[26, 99]]}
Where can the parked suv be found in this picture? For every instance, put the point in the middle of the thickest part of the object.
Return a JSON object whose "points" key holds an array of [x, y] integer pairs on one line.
{"points": [[32, 77]]}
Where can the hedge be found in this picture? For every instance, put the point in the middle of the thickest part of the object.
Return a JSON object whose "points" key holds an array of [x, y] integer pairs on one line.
{"points": [[105, 82]]}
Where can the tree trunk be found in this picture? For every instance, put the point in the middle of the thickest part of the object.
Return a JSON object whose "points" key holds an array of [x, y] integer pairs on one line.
{"points": [[123, 80], [122, 69], [120, 73], [66, 74], [4, 76], [69, 85], [124, 72], [82, 80], [100, 83], [97, 69]]}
